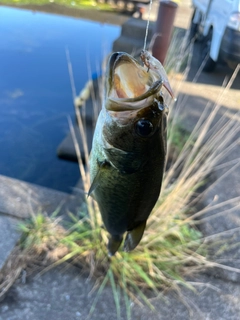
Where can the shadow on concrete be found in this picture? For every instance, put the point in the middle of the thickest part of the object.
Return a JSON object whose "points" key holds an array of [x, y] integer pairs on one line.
{"points": [[216, 77]]}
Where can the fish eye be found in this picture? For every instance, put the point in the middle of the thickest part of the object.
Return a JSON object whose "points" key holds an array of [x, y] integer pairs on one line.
{"points": [[144, 128]]}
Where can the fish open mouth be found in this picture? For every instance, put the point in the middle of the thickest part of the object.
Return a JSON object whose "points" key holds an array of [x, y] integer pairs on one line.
{"points": [[129, 84]]}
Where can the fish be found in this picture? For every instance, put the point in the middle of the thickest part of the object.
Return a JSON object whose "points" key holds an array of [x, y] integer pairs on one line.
{"points": [[128, 153]]}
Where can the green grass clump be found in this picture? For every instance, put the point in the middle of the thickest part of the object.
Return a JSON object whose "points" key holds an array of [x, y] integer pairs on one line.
{"points": [[41, 232]]}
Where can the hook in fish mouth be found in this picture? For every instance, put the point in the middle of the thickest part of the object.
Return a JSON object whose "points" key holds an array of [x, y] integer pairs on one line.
{"points": [[128, 85]]}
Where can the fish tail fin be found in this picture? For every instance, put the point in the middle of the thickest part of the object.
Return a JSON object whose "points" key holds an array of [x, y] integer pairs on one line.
{"points": [[134, 236], [114, 244]]}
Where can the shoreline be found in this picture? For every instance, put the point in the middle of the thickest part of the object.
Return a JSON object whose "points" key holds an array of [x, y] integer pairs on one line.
{"points": [[88, 14]]}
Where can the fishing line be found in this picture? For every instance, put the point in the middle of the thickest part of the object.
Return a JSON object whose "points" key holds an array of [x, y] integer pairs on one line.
{"points": [[147, 27]]}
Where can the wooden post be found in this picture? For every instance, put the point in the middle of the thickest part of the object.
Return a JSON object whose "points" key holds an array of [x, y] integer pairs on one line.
{"points": [[164, 27]]}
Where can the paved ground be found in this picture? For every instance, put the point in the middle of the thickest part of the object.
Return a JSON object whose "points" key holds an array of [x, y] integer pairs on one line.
{"points": [[65, 294]]}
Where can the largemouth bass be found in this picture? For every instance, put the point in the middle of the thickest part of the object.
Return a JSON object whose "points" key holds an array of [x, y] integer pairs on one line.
{"points": [[128, 151]]}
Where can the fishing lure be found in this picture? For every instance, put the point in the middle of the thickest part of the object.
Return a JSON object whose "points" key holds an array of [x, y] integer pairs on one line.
{"points": [[155, 65]]}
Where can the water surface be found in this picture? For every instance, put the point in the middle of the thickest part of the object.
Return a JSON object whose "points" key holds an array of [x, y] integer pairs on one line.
{"points": [[35, 91]]}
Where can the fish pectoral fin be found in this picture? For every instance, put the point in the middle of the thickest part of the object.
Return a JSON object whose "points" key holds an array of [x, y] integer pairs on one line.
{"points": [[101, 166], [114, 244], [125, 162], [94, 184], [134, 236]]}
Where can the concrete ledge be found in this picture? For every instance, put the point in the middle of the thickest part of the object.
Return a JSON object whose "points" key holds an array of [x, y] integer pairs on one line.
{"points": [[66, 149], [132, 36], [8, 237], [125, 44], [136, 28], [20, 199]]}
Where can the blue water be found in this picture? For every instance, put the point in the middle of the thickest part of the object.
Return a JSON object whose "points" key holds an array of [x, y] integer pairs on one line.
{"points": [[35, 91]]}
